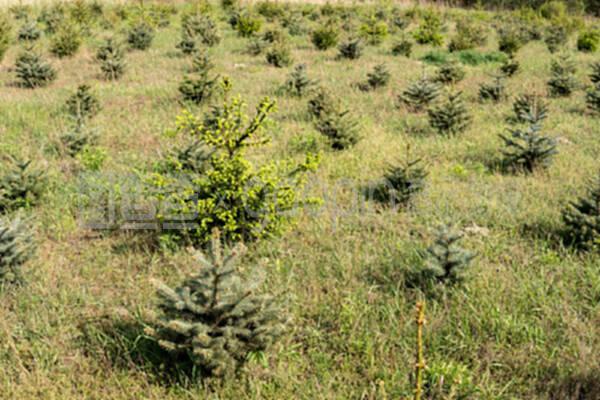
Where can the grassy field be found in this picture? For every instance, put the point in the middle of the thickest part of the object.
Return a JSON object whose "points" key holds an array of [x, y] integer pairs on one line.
{"points": [[525, 325]]}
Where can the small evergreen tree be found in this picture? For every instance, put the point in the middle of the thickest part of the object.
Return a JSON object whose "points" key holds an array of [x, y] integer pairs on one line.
{"points": [[529, 108], [198, 87], [83, 104], [582, 219], [450, 73], [16, 248], [562, 81], [298, 82], [78, 138], [468, 36], [32, 71], [509, 41], [246, 24], [494, 91], [351, 49], [215, 319], [29, 32], [112, 59], [510, 67], [340, 129], [140, 36], [325, 37], [595, 75], [420, 93], [556, 38], [401, 183], [447, 261], [527, 150], [279, 55], [379, 77], [20, 185], [451, 117], [66, 41], [5, 35], [402, 48], [593, 99], [321, 103]]}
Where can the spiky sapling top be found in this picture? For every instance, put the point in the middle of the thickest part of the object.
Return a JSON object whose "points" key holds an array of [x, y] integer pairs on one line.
{"points": [[83, 104], [582, 218], [215, 318], [351, 49], [112, 59], [379, 77], [562, 81], [16, 247], [529, 108]]}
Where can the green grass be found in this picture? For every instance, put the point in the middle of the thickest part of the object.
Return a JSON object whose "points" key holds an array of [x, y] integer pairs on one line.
{"points": [[525, 325]]}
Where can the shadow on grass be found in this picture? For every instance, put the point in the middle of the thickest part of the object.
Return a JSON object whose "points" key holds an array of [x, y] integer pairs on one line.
{"points": [[122, 343]]}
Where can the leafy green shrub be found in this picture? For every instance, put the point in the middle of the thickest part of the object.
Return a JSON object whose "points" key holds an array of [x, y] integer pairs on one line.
{"points": [[430, 29], [402, 48], [83, 104], [111, 57], [450, 117], [588, 41], [379, 77], [495, 90], [66, 41], [562, 82], [245, 201], [450, 73], [279, 56], [29, 32], [246, 24], [527, 150], [419, 94], [582, 219], [5, 35], [374, 32], [32, 71], [16, 248], [216, 318], [556, 37], [449, 380], [402, 183], [298, 83], [21, 185], [529, 108], [468, 35], [140, 36], [351, 49], [325, 37]]}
